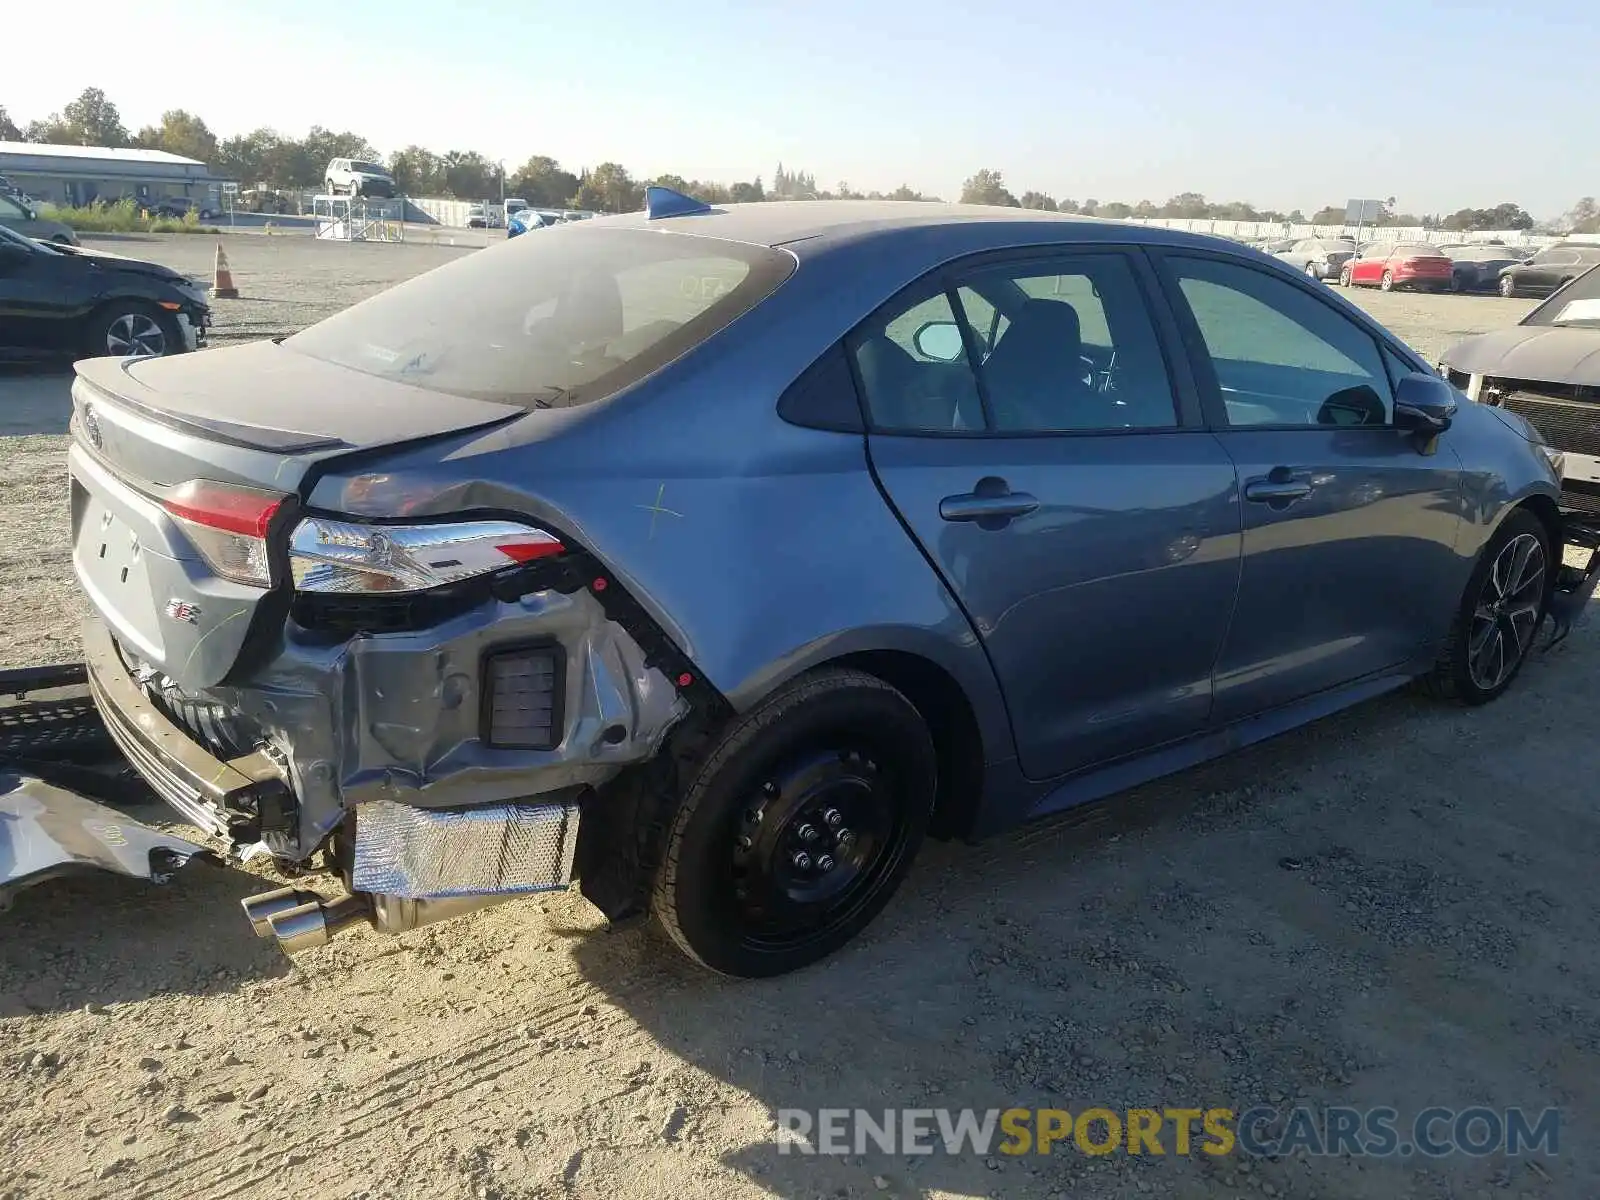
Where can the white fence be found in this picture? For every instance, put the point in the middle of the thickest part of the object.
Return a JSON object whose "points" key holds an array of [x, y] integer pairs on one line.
{"points": [[1280, 229]]}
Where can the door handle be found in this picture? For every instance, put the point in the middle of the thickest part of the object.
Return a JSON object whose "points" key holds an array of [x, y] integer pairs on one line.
{"points": [[1271, 491], [974, 506]]}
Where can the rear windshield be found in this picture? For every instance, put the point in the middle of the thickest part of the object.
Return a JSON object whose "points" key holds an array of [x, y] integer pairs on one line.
{"points": [[571, 316], [1418, 250], [369, 168]]}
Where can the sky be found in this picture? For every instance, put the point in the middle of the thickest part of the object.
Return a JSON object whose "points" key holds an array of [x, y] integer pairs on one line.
{"points": [[1441, 106]]}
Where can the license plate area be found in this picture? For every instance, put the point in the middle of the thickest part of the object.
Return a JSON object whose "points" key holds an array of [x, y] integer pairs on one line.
{"points": [[110, 558]]}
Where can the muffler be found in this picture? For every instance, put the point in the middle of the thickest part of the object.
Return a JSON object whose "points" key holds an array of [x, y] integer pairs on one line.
{"points": [[300, 920]]}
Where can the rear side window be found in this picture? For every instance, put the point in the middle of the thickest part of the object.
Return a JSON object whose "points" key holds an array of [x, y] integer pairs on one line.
{"points": [[566, 318]]}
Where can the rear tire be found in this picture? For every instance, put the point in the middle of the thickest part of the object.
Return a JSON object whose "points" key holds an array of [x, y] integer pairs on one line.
{"points": [[1508, 287], [1344, 277], [1311, 270], [838, 770], [1503, 606]]}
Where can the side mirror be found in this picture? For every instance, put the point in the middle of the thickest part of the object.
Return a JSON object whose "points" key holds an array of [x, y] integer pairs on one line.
{"points": [[1424, 404], [940, 341]]}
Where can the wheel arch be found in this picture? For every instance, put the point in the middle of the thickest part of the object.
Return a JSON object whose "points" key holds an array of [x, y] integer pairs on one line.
{"points": [[1548, 514], [951, 684], [948, 713]]}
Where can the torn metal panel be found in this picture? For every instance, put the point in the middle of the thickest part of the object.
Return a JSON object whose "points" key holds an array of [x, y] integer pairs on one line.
{"points": [[47, 831], [398, 716]]}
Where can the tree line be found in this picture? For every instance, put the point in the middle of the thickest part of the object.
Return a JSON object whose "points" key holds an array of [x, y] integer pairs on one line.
{"points": [[266, 158]]}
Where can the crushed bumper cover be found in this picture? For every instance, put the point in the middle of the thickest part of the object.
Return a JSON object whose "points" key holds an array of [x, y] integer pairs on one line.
{"points": [[46, 831]]}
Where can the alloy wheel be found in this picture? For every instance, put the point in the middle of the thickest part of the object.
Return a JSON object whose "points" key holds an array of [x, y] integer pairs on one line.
{"points": [[135, 335], [812, 846], [1507, 612]]}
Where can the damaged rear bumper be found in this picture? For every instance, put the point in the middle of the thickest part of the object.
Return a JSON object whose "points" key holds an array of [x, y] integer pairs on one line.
{"points": [[47, 831]]}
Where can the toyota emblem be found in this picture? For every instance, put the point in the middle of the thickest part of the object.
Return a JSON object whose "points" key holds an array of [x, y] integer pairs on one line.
{"points": [[91, 427]]}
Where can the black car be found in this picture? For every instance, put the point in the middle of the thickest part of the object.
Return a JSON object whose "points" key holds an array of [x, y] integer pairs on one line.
{"points": [[1551, 268], [1477, 266], [65, 301]]}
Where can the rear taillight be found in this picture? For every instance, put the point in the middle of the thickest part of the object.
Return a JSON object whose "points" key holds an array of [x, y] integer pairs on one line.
{"points": [[327, 555], [227, 525]]}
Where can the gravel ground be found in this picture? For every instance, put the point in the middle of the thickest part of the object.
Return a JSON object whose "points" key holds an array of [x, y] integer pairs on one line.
{"points": [[1384, 909]]}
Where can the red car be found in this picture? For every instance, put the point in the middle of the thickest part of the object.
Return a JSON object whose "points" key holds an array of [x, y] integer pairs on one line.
{"points": [[1391, 265]]}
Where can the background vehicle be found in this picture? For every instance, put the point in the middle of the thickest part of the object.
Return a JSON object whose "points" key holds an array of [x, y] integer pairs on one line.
{"points": [[64, 300], [1551, 268], [513, 205], [477, 217], [1476, 267], [354, 177], [1320, 258], [522, 221], [1390, 265], [1033, 508], [23, 218], [1546, 368]]}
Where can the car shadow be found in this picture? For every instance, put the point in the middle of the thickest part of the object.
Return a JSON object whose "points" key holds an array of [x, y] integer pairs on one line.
{"points": [[102, 938], [934, 1006], [35, 399]]}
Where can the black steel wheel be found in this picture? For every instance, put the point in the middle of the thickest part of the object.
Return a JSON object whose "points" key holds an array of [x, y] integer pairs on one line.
{"points": [[1500, 613], [798, 826]]}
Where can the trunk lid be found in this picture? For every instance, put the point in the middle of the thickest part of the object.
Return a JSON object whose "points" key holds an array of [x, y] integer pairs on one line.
{"points": [[257, 417]]}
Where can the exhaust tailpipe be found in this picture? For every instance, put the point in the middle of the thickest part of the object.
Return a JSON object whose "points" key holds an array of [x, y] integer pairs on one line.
{"points": [[300, 920]]}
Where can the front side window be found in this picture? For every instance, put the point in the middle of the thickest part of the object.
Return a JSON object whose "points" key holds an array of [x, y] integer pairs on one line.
{"points": [[10, 208], [1282, 357], [1062, 347], [552, 321]]}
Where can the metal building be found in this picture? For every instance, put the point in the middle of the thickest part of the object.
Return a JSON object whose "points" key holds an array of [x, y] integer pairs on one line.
{"points": [[81, 174]]}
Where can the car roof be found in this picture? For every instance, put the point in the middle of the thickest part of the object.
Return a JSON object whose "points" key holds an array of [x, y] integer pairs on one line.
{"points": [[805, 226]]}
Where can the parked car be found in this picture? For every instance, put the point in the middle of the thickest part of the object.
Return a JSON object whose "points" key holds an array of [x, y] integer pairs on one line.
{"points": [[353, 177], [1551, 268], [1476, 266], [178, 207], [63, 301], [1546, 369], [716, 569], [1320, 258], [525, 219], [23, 219], [1390, 265]]}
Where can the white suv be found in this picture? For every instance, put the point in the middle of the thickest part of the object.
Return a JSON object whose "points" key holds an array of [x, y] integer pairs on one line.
{"points": [[357, 178]]}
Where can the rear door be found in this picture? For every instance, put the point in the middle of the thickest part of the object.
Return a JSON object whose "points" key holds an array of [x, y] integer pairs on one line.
{"points": [[1030, 431], [1349, 528]]}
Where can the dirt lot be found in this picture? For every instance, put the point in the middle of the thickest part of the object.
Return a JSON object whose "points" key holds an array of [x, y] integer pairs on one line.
{"points": [[1385, 909]]}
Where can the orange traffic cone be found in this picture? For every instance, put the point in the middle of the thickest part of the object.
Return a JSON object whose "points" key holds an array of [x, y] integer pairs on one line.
{"points": [[222, 287]]}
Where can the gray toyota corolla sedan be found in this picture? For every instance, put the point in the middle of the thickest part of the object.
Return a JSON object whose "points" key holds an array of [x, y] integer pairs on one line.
{"points": [[712, 557]]}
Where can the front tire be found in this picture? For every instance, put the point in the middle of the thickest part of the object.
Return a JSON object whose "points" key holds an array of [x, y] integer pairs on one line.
{"points": [[129, 329], [1508, 287], [1311, 270], [1344, 277], [1387, 282], [798, 825], [1500, 614]]}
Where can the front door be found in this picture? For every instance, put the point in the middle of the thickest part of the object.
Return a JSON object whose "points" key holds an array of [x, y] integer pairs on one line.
{"points": [[1349, 528], [1027, 430]]}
